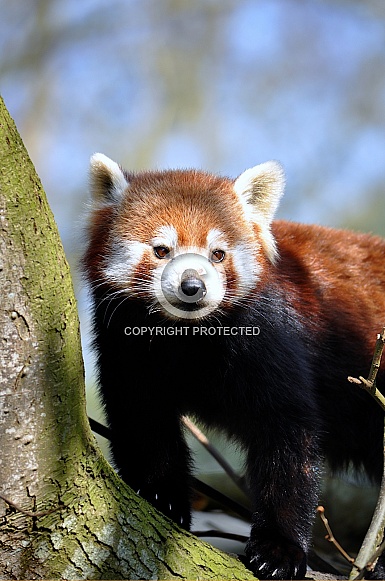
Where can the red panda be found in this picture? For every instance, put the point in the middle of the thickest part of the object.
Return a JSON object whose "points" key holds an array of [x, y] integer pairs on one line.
{"points": [[203, 305]]}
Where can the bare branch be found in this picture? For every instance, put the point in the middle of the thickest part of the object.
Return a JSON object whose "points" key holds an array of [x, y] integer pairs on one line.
{"points": [[200, 436], [330, 537], [369, 552], [213, 533], [370, 384]]}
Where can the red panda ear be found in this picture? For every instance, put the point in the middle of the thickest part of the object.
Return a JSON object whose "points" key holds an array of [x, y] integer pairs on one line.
{"points": [[259, 190], [107, 180]]}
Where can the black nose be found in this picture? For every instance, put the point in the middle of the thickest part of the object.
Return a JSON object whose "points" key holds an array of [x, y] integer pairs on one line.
{"points": [[191, 284]]}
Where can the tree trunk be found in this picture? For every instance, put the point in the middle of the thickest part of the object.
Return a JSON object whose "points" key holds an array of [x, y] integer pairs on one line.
{"points": [[64, 513]]}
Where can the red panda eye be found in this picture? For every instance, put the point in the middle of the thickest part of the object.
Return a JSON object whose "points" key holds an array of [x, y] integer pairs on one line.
{"points": [[218, 255], [161, 251]]}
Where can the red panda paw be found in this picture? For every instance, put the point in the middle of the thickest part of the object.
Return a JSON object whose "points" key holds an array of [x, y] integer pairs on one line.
{"points": [[275, 558]]}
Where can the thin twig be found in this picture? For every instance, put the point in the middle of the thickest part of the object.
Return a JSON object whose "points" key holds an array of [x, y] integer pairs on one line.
{"points": [[222, 499], [28, 512], [369, 552], [330, 536], [220, 534], [369, 384], [200, 436]]}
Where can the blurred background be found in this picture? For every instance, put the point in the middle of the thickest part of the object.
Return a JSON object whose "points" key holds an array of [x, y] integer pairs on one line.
{"points": [[217, 84]]}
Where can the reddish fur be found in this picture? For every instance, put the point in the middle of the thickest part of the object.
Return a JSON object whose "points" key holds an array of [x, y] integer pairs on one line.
{"points": [[199, 202], [329, 273], [99, 230], [324, 270]]}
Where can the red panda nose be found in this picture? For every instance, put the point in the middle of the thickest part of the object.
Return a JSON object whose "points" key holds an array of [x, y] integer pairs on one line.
{"points": [[191, 284]]}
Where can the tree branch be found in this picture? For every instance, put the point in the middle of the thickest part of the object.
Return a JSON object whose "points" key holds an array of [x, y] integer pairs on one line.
{"points": [[368, 552], [330, 536], [370, 384], [202, 439]]}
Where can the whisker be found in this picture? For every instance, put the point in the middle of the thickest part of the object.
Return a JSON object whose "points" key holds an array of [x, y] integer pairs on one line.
{"points": [[115, 309]]}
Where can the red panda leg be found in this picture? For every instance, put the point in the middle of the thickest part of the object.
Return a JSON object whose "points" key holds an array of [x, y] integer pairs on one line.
{"points": [[285, 481], [150, 453]]}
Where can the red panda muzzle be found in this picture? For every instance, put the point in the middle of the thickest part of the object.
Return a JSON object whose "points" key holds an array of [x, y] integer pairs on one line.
{"points": [[192, 287]]}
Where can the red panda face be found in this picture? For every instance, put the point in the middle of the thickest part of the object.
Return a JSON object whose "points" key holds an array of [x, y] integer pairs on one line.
{"points": [[189, 282], [186, 243]]}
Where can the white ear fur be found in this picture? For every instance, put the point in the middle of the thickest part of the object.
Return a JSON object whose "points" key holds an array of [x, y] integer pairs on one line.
{"points": [[259, 190], [107, 180]]}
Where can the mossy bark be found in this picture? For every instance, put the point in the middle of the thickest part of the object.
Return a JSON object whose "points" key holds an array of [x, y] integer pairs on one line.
{"points": [[63, 511]]}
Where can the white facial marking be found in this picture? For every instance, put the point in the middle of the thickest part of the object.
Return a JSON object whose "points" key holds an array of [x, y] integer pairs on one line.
{"points": [[122, 259], [244, 260], [165, 236], [216, 239], [246, 266]]}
